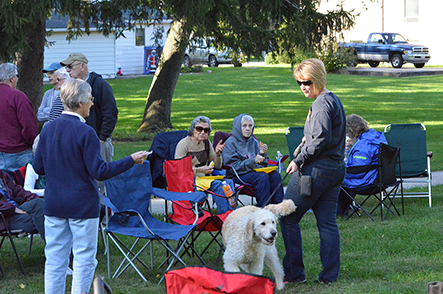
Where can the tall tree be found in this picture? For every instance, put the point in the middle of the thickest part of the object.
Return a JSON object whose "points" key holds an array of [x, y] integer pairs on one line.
{"points": [[251, 26]]}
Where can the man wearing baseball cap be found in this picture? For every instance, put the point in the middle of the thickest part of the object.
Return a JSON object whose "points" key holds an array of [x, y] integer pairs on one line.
{"points": [[103, 114], [51, 94]]}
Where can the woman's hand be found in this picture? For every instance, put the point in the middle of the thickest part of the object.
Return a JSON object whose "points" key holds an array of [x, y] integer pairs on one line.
{"points": [[206, 169], [139, 157], [292, 168], [263, 148], [19, 211], [259, 158], [219, 148]]}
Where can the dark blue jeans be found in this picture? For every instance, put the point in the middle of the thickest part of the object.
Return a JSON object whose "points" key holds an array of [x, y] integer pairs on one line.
{"points": [[264, 184], [327, 176]]}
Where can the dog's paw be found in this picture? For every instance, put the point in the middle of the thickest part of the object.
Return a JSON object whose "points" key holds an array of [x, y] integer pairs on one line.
{"points": [[286, 207]]}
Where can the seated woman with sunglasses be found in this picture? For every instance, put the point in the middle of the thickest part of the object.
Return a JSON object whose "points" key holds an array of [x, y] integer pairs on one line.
{"points": [[198, 146], [245, 153]]}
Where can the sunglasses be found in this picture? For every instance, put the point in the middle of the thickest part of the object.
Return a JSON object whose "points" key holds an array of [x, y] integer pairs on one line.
{"points": [[201, 129], [305, 83], [71, 66]]}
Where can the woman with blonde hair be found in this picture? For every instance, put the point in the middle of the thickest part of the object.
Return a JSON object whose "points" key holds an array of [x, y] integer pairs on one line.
{"points": [[317, 173]]}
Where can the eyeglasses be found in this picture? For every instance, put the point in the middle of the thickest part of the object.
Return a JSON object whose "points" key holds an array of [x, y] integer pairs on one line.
{"points": [[91, 98], [201, 129], [305, 83], [16, 76], [72, 65], [59, 80]]}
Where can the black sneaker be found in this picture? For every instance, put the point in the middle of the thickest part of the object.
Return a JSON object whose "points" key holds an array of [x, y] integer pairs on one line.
{"points": [[321, 281]]}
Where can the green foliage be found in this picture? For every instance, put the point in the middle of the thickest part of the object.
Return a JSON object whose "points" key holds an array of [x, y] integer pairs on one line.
{"points": [[17, 20], [332, 56], [192, 69]]}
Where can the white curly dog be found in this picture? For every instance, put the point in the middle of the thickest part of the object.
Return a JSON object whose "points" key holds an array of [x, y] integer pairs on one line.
{"points": [[249, 237]]}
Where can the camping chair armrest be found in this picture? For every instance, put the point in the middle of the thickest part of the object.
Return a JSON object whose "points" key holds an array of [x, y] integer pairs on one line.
{"points": [[429, 154], [274, 162], [177, 196], [358, 169]]}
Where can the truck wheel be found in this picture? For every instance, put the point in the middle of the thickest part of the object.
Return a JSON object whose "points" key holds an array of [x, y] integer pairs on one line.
{"points": [[212, 61], [419, 65], [374, 63], [396, 61], [187, 61]]}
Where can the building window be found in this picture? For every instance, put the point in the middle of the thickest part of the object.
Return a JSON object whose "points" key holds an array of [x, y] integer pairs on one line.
{"points": [[140, 37], [411, 10]]}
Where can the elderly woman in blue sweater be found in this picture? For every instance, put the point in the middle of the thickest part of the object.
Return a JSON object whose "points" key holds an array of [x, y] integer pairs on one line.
{"points": [[69, 155]]}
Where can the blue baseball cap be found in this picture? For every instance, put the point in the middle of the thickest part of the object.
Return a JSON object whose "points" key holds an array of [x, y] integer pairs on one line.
{"points": [[54, 66]]}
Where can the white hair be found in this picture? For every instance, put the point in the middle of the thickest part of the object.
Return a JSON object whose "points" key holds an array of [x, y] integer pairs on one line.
{"points": [[74, 91], [62, 73], [248, 118], [7, 70]]}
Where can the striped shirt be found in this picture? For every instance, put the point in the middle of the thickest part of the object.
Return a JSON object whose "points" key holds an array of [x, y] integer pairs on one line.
{"points": [[57, 109]]}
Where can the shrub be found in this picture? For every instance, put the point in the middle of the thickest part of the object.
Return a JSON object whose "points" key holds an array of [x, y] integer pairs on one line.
{"points": [[335, 57], [194, 68], [332, 56]]}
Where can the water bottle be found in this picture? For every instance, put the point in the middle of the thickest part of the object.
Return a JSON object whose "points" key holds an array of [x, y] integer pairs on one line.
{"points": [[229, 193], [280, 164]]}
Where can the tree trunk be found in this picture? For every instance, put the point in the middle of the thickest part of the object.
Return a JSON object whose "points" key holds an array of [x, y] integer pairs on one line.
{"points": [[157, 115], [30, 65]]}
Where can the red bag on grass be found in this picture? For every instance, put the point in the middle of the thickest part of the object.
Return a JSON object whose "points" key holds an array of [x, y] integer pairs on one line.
{"points": [[204, 280]]}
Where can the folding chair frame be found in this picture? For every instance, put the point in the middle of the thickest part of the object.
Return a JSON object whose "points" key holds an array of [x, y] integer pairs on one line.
{"points": [[210, 218], [146, 232], [425, 178], [7, 233], [383, 192]]}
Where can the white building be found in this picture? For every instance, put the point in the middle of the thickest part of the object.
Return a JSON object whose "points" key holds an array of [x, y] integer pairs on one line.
{"points": [[417, 20], [105, 54]]}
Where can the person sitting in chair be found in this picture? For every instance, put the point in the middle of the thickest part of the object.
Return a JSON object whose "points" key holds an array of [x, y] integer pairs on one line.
{"points": [[245, 153], [198, 146], [23, 210], [364, 151]]}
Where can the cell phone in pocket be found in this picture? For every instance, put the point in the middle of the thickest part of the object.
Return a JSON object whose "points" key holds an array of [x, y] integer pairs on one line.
{"points": [[305, 185]]}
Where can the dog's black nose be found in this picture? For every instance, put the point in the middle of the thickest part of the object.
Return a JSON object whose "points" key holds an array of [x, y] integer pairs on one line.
{"points": [[273, 233]]}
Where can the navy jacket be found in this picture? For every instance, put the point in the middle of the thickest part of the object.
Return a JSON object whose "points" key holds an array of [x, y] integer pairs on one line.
{"points": [[103, 114], [69, 154]]}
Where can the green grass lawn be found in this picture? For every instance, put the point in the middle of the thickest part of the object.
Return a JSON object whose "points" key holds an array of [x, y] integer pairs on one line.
{"points": [[271, 95], [399, 255]]}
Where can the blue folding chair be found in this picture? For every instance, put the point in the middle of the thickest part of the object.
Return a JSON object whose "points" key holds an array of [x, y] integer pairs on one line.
{"points": [[128, 196]]}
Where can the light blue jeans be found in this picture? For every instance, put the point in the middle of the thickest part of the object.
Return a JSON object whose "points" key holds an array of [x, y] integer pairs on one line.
{"points": [[11, 162], [62, 235]]}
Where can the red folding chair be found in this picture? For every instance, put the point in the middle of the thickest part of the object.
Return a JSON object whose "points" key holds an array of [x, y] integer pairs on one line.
{"points": [[180, 178]]}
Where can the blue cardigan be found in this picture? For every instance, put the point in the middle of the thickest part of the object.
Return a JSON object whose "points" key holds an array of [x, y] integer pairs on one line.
{"points": [[69, 154]]}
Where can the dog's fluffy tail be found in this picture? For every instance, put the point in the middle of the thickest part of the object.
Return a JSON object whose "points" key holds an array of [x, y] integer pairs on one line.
{"points": [[284, 208]]}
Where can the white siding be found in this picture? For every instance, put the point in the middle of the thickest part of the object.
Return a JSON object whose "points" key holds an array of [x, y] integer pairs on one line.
{"points": [[130, 57], [105, 54], [99, 50]]}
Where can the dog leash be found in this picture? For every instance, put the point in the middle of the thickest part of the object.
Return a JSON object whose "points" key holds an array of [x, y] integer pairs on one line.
{"points": [[272, 194]]}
